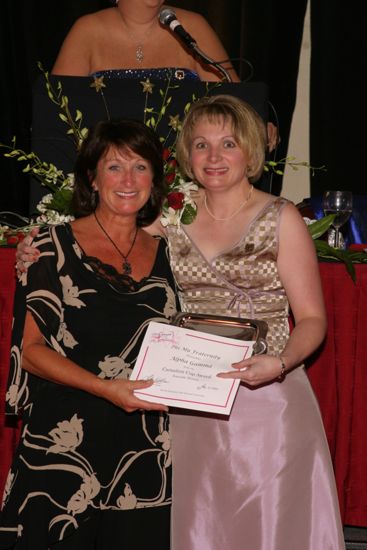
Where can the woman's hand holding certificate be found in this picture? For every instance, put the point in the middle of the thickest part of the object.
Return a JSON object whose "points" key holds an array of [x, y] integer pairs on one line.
{"points": [[184, 364]]}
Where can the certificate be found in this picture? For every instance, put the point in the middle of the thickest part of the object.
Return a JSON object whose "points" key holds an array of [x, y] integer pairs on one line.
{"points": [[184, 363]]}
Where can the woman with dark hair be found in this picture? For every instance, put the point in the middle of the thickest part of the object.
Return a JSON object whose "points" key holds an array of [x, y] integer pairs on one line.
{"points": [[92, 469]]}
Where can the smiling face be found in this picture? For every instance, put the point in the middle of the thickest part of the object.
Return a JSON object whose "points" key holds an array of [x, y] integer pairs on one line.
{"points": [[123, 181], [216, 159]]}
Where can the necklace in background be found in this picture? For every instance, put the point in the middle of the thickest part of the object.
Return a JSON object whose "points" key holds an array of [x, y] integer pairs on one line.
{"points": [[139, 48], [234, 213], [126, 266]]}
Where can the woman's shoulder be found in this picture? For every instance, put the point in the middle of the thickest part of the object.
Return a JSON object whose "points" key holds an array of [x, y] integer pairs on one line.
{"points": [[51, 233], [264, 199], [266, 204], [91, 22]]}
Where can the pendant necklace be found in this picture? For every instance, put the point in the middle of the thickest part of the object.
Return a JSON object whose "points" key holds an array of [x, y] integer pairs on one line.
{"points": [[234, 213], [126, 266], [139, 51]]}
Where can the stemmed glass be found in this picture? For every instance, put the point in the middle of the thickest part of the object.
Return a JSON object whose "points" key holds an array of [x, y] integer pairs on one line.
{"points": [[339, 203]]}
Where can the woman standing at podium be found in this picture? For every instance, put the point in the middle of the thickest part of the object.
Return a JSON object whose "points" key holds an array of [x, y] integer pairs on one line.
{"points": [[127, 40]]}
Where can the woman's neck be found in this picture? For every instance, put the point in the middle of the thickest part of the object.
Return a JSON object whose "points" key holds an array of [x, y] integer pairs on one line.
{"points": [[135, 17], [224, 206]]}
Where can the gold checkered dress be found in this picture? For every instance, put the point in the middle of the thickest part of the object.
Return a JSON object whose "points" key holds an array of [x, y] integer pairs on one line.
{"points": [[240, 282]]}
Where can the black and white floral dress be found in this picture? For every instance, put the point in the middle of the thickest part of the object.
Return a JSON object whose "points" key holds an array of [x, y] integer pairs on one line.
{"points": [[85, 468]]}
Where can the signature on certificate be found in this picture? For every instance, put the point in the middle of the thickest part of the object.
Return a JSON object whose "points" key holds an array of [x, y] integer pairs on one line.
{"points": [[158, 381]]}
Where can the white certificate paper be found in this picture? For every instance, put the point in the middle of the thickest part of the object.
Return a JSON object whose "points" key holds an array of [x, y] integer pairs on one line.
{"points": [[184, 363]]}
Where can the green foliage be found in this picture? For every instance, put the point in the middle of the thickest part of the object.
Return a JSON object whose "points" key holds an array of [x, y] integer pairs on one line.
{"points": [[326, 252]]}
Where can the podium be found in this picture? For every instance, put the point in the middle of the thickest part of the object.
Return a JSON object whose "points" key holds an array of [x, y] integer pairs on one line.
{"points": [[119, 98]]}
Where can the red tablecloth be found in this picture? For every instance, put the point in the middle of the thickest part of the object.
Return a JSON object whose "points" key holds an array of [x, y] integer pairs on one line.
{"points": [[338, 374], [8, 427]]}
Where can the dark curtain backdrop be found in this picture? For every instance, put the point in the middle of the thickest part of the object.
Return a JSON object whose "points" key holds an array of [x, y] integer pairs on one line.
{"points": [[267, 33]]}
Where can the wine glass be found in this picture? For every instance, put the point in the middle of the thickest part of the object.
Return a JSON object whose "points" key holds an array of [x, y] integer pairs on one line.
{"points": [[339, 203]]}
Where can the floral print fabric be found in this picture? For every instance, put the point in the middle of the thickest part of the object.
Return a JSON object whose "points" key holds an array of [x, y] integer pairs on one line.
{"points": [[79, 454]]}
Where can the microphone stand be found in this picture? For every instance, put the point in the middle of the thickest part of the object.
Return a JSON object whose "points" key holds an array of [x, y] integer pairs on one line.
{"points": [[209, 61], [167, 18]]}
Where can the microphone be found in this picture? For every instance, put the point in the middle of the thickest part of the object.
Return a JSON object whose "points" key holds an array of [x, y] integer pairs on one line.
{"points": [[167, 17]]}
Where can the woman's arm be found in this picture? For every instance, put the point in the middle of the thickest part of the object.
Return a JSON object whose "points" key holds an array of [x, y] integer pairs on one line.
{"points": [[48, 364], [299, 273], [74, 57]]}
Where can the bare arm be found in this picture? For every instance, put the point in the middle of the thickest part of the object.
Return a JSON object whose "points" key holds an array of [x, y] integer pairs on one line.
{"points": [[50, 365], [74, 58], [299, 272]]}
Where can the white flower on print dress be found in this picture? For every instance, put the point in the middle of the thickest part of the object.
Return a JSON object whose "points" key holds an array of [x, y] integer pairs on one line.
{"points": [[12, 395], [170, 308], [71, 292], [8, 486], [165, 439], [77, 251], [66, 336], [114, 367], [67, 436], [80, 500], [127, 501]]}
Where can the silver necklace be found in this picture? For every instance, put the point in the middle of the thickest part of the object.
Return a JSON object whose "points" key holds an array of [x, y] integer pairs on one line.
{"points": [[234, 213], [126, 266], [139, 51]]}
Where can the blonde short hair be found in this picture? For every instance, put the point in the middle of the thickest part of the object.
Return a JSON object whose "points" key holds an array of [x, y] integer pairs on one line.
{"points": [[248, 128]]}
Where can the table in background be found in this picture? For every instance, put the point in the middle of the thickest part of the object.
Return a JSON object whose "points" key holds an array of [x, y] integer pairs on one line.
{"points": [[8, 426], [338, 374]]}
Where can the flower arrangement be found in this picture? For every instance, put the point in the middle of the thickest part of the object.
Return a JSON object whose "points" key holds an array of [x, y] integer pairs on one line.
{"points": [[55, 207], [179, 206]]}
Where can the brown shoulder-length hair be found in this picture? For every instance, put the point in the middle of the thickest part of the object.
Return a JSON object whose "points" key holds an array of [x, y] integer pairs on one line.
{"points": [[120, 134], [248, 128]]}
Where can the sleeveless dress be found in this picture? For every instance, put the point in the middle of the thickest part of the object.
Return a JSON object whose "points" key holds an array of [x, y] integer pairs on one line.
{"points": [[87, 474], [262, 479]]}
